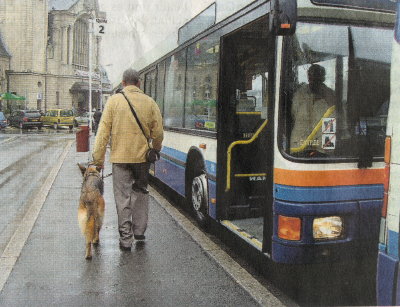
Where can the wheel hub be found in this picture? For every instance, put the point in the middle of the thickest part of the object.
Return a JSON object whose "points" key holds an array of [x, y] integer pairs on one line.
{"points": [[197, 193]]}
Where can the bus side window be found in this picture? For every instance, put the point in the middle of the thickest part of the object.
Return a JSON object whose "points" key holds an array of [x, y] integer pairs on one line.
{"points": [[201, 84], [174, 89], [160, 86], [150, 84], [142, 81]]}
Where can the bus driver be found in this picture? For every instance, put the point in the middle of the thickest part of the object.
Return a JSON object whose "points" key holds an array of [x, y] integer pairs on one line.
{"points": [[310, 102]]}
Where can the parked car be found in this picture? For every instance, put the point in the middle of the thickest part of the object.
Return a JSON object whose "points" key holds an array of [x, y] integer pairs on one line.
{"points": [[58, 118], [3, 121], [82, 120], [25, 119]]}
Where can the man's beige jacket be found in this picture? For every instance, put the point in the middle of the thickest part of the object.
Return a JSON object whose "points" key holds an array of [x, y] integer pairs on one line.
{"points": [[128, 144]]}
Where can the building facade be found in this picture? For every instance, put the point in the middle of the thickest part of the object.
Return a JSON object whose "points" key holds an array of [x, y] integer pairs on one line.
{"points": [[48, 47], [4, 65]]}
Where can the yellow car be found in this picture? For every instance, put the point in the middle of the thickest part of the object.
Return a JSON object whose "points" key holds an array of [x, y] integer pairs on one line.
{"points": [[58, 118]]}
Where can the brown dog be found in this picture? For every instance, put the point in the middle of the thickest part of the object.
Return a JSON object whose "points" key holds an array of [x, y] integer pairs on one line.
{"points": [[91, 206]]}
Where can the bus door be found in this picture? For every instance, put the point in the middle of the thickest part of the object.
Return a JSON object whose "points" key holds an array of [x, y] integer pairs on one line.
{"points": [[245, 149]]}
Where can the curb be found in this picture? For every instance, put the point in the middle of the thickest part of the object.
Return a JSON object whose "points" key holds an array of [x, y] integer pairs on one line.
{"points": [[17, 241], [252, 286]]}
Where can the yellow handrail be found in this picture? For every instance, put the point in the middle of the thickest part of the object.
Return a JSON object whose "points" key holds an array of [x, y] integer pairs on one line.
{"points": [[229, 153], [314, 132], [248, 113]]}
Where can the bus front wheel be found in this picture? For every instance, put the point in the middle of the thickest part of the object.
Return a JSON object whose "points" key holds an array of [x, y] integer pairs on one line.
{"points": [[199, 199]]}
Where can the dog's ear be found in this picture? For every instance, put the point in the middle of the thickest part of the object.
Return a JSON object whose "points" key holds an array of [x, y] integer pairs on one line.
{"points": [[82, 168], [98, 168]]}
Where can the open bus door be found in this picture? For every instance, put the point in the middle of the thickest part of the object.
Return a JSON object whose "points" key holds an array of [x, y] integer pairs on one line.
{"points": [[246, 129]]}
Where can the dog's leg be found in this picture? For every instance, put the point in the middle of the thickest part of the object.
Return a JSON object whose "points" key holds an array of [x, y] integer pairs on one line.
{"points": [[88, 254], [96, 234], [89, 234]]}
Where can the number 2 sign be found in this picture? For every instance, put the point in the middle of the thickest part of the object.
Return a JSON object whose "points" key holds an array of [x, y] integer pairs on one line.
{"points": [[101, 26]]}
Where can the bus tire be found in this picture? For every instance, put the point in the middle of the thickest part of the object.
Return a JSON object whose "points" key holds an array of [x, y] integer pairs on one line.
{"points": [[199, 199]]}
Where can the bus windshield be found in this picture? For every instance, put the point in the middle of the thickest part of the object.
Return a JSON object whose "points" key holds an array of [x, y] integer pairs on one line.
{"points": [[335, 91]]}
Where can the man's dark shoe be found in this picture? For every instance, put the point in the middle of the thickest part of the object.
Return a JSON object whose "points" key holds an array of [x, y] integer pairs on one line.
{"points": [[124, 248], [139, 238]]}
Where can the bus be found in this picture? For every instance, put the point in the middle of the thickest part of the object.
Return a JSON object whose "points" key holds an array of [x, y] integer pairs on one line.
{"points": [[388, 292], [275, 123]]}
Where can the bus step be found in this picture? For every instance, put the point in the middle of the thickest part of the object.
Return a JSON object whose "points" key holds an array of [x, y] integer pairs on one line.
{"points": [[244, 211], [256, 197]]}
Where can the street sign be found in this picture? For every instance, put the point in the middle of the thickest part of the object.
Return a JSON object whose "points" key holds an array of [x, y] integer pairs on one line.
{"points": [[101, 25]]}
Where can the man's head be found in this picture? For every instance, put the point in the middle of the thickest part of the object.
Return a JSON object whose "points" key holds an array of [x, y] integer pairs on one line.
{"points": [[316, 77], [130, 77]]}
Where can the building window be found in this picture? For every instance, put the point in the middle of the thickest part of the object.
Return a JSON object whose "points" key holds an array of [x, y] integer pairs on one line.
{"points": [[81, 44], [57, 98], [68, 44]]}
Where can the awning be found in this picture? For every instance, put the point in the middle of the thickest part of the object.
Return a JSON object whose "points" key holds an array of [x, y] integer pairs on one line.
{"points": [[11, 96], [84, 87]]}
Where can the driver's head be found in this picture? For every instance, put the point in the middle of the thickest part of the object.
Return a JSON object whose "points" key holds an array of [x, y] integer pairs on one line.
{"points": [[316, 77]]}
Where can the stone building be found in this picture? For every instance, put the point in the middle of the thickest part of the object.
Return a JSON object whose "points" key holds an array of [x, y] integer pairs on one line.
{"points": [[4, 65], [48, 46]]}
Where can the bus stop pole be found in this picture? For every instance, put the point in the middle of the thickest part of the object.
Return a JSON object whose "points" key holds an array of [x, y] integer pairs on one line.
{"points": [[90, 81]]}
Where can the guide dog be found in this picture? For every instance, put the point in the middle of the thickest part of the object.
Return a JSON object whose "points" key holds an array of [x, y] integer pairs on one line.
{"points": [[91, 206]]}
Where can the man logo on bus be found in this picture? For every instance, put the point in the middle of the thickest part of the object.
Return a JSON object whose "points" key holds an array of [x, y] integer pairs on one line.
{"points": [[329, 125], [329, 141]]}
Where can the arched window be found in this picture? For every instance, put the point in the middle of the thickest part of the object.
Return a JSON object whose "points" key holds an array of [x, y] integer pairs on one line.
{"points": [[81, 44]]}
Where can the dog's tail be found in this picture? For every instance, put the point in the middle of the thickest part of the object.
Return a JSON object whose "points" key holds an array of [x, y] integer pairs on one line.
{"points": [[90, 229]]}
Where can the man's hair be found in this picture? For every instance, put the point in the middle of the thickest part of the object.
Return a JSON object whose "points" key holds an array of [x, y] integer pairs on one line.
{"points": [[130, 76]]}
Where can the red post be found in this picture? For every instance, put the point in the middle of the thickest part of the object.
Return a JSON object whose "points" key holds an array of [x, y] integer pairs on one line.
{"points": [[82, 139]]}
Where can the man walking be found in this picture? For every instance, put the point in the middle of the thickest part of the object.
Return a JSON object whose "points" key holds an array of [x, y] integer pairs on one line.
{"points": [[128, 154], [96, 117]]}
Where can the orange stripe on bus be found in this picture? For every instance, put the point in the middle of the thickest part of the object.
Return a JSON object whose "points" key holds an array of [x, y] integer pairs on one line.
{"points": [[328, 177]]}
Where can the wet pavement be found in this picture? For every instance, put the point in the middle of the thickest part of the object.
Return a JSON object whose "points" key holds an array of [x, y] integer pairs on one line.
{"points": [[25, 162], [170, 269]]}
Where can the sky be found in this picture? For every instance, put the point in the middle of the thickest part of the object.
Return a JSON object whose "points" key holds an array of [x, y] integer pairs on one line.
{"points": [[137, 26]]}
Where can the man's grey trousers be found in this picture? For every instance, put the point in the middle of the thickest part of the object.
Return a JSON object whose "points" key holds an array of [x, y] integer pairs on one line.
{"points": [[131, 198]]}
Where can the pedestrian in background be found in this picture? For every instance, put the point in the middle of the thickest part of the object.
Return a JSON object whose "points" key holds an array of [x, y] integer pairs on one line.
{"points": [[128, 154], [97, 116]]}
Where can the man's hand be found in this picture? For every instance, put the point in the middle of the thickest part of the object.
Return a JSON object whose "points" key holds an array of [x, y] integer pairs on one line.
{"points": [[99, 164]]}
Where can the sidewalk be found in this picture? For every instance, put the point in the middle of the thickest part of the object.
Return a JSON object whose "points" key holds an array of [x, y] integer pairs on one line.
{"points": [[169, 270]]}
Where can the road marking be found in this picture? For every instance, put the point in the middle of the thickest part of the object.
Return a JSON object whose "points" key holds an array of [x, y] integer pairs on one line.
{"points": [[9, 139], [17, 241], [252, 286]]}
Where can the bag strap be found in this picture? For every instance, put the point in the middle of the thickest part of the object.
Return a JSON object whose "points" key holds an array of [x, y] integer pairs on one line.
{"points": [[135, 115]]}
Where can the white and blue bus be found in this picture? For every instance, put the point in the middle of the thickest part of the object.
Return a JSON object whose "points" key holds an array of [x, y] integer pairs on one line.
{"points": [[388, 291], [230, 92]]}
